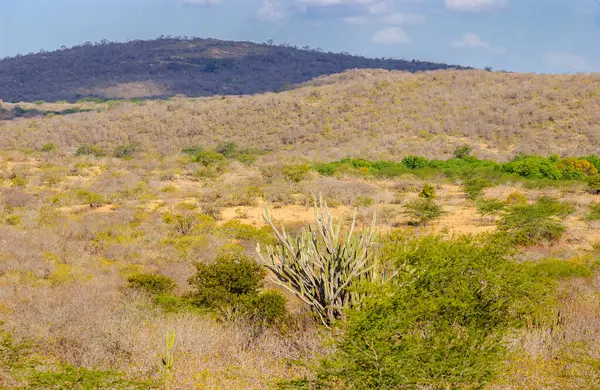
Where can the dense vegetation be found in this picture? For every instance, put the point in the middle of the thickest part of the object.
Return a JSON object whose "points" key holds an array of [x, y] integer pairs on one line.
{"points": [[170, 66]]}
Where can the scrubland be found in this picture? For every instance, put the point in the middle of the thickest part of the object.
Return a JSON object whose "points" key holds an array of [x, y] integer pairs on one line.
{"points": [[120, 227]]}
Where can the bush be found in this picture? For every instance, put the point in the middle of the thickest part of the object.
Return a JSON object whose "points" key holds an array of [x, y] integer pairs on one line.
{"points": [[48, 147], [428, 192], [593, 183], [415, 162], [533, 167], [211, 159], [515, 198], [263, 310], [154, 284], [532, 224], [474, 187], [296, 173], [126, 151], [193, 150], [577, 166], [487, 207], [230, 276], [462, 151], [89, 150], [423, 211], [440, 323]]}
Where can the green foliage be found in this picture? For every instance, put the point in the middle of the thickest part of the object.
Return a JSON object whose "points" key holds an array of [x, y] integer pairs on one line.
{"points": [[48, 147], [593, 183], [516, 198], [533, 167], [126, 151], [474, 186], [593, 213], [13, 220], [211, 159], [462, 151], [230, 276], [415, 162], [296, 173], [428, 192], [89, 150], [154, 284], [264, 310], [423, 211], [489, 206], [70, 377], [231, 150], [193, 150], [440, 323], [532, 224]]}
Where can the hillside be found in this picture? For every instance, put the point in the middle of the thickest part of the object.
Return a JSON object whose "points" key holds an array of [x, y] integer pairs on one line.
{"points": [[171, 66], [359, 113]]}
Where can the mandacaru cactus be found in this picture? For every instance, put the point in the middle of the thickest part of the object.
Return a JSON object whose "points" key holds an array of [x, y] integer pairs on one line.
{"points": [[322, 264]]}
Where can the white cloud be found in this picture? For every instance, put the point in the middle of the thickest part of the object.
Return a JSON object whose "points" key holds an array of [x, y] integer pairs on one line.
{"points": [[563, 61], [475, 5], [405, 19], [356, 20], [390, 36], [327, 3], [270, 11], [470, 40], [382, 7], [202, 2]]}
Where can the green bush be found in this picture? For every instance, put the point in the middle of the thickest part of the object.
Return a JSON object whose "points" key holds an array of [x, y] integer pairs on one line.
{"points": [[241, 231], [593, 183], [423, 211], [265, 309], [474, 187], [428, 192], [440, 323], [516, 198], [532, 224], [296, 173], [13, 220], [230, 276], [126, 151], [462, 151], [489, 206], [193, 150], [415, 162], [211, 159], [154, 284], [48, 147], [89, 150], [533, 167]]}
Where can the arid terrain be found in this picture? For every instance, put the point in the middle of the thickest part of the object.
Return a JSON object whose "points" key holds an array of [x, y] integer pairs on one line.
{"points": [[93, 198]]}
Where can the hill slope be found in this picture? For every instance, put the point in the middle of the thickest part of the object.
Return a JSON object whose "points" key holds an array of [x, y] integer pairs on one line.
{"points": [[170, 66], [359, 113]]}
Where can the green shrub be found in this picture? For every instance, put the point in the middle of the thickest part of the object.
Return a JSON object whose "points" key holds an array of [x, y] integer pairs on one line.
{"points": [[89, 150], [211, 159], [227, 149], [154, 284], [265, 309], [193, 150], [440, 323], [593, 213], [533, 167], [13, 220], [462, 151], [487, 207], [126, 151], [241, 231], [48, 147], [423, 211], [363, 201], [415, 162], [428, 192], [532, 224], [230, 276], [578, 167], [70, 377], [593, 183], [474, 187], [516, 198], [296, 173]]}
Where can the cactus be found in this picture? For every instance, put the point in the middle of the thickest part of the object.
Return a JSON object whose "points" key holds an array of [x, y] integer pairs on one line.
{"points": [[167, 360], [322, 264]]}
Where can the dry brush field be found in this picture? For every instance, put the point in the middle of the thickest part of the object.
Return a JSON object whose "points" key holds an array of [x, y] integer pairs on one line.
{"points": [[89, 200]]}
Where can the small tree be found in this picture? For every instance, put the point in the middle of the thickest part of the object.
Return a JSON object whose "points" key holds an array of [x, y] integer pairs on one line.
{"points": [[321, 265], [423, 211], [428, 192], [463, 151]]}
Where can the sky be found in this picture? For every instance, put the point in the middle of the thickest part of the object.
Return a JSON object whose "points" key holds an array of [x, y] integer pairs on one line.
{"points": [[541, 36]]}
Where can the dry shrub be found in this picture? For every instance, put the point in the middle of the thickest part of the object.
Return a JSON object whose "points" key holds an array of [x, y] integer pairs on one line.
{"points": [[337, 191], [16, 197]]}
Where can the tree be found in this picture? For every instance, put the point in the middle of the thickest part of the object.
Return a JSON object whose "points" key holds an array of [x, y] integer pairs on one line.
{"points": [[422, 211]]}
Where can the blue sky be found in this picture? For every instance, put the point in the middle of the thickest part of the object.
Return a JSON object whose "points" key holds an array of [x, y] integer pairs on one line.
{"points": [[550, 36]]}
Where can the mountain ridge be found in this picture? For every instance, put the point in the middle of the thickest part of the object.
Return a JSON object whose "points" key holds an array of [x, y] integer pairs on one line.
{"points": [[168, 66]]}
